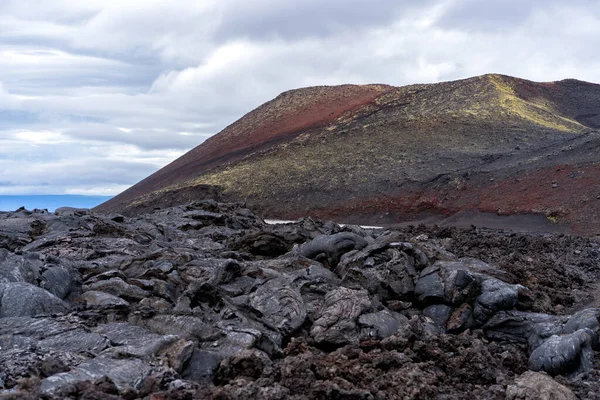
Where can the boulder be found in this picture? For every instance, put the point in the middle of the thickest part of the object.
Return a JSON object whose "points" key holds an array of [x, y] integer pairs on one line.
{"points": [[461, 319], [439, 314], [20, 299], [13, 268], [537, 386], [387, 270], [570, 353], [94, 298], [447, 282], [328, 249], [495, 296], [118, 287], [280, 305], [57, 279], [381, 324], [336, 322], [124, 373]]}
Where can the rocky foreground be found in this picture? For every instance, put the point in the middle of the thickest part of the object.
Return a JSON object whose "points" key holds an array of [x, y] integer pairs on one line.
{"points": [[208, 301]]}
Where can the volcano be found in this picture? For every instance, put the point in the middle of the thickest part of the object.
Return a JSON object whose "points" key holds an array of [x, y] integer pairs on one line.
{"points": [[493, 150]]}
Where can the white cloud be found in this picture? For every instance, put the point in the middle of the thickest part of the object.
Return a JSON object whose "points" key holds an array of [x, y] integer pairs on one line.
{"points": [[7, 101], [96, 95], [40, 137], [34, 163]]}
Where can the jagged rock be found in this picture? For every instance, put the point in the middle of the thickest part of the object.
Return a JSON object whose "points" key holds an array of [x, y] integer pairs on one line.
{"points": [[495, 296], [202, 365], [556, 347], [46, 334], [36, 328], [263, 244], [380, 325], [39, 270], [461, 286], [537, 386], [447, 282], [247, 363], [178, 354], [430, 287], [384, 269], [71, 212], [565, 354], [174, 295], [315, 273], [314, 283], [184, 325], [247, 333], [337, 320], [280, 305], [56, 279], [126, 373], [439, 314], [210, 270], [196, 219], [18, 299], [518, 326], [588, 318], [328, 249], [460, 319], [95, 298], [204, 361], [539, 332], [18, 229], [155, 305], [104, 276], [133, 341], [13, 268], [484, 269], [120, 288]]}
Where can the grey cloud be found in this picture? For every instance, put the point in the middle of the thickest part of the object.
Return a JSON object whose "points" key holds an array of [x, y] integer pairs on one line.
{"points": [[115, 173], [141, 138], [57, 10], [73, 168], [35, 71], [111, 86], [266, 19], [485, 15]]}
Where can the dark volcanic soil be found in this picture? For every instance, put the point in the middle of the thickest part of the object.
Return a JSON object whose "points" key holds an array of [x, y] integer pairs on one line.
{"points": [[378, 154], [208, 301]]}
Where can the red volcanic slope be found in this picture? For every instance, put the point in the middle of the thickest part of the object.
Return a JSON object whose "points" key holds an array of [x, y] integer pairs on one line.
{"points": [[561, 193], [378, 154], [275, 121]]}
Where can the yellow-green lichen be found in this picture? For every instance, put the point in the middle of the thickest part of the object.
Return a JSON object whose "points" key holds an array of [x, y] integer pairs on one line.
{"points": [[536, 111], [397, 141]]}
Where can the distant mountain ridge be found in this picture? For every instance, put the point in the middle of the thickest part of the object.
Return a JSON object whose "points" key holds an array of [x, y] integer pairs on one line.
{"points": [[379, 154], [49, 202]]}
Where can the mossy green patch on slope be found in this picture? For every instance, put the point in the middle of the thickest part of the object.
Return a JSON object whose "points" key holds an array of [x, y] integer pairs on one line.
{"points": [[538, 111], [403, 136], [408, 134]]}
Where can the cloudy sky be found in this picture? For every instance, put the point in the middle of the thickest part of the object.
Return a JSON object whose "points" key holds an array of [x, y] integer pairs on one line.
{"points": [[96, 95]]}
